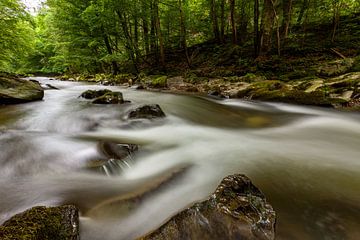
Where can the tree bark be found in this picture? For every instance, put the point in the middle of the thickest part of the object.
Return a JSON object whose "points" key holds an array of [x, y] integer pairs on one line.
{"points": [[267, 23], [214, 20], [159, 33], [256, 28], [115, 67], [183, 42], [222, 21], [287, 13], [233, 23]]}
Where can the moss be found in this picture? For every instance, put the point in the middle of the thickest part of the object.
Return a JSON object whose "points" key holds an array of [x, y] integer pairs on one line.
{"points": [[159, 81], [356, 64], [41, 223]]}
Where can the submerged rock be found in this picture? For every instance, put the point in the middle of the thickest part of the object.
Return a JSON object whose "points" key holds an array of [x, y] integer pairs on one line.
{"points": [[237, 210], [110, 98], [39, 223], [147, 111], [92, 94], [14, 90]]}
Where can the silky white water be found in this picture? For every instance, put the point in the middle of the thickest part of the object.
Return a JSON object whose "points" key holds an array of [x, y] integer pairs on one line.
{"points": [[305, 160]]}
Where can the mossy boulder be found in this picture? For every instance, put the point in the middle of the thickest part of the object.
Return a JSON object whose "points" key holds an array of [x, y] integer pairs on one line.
{"points": [[42, 223], [158, 81], [237, 210], [14, 90], [276, 91], [92, 94], [110, 98], [336, 68], [147, 112]]}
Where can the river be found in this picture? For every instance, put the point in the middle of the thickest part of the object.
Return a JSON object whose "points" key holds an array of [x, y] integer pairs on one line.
{"points": [[306, 160]]}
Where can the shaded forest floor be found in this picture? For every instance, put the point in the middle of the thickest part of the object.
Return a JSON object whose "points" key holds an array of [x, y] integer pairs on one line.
{"points": [[311, 70]]}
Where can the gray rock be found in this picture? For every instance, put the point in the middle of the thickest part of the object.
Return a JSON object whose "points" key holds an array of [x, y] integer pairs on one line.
{"points": [[14, 90], [237, 210]]}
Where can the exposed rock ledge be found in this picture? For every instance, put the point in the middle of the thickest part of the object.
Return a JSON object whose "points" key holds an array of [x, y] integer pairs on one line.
{"points": [[40, 223], [237, 210], [14, 90]]}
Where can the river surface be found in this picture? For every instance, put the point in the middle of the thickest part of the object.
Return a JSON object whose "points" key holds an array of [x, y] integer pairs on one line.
{"points": [[305, 160]]}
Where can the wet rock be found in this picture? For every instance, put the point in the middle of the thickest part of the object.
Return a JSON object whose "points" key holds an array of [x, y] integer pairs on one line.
{"points": [[39, 223], [14, 90], [117, 150], [216, 94], [237, 210], [92, 94], [110, 98], [117, 157], [137, 87], [147, 111]]}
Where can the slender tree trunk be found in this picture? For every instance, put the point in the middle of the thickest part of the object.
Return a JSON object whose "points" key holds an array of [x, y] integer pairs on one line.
{"points": [[233, 23], [214, 20], [128, 39], [303, 9], [336, 18], [287, 14], [267, 23], [115, 67], [183, 42], [159, 33], [146, 35], [153, 45], [256, 28], [222, 21]]}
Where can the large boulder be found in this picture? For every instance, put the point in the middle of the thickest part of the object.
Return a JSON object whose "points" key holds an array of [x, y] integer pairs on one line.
{"points": [[92, 94], [42, 223], [14, 90], [110, 98], [147, 112], [237, 210]]}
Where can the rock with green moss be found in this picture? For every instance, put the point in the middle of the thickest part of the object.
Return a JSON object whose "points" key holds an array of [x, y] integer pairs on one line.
{"points": [[42, 223], [14, 90], [92, 94], [147, 112], [237, 210], [110, 98], [158, 81], [336, 68]]}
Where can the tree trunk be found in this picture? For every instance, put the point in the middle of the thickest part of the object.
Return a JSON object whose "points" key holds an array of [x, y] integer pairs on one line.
{"points": [[159, 33], [256, 28], [115, 67], [267, 23], [303, 9], [287, 13], [222, 21], [183, 42], [214, 20], [146, 35], [233, 23]]}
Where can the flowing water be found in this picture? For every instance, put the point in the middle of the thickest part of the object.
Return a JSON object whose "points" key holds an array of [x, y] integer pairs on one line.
{"points": [[305, 160]]}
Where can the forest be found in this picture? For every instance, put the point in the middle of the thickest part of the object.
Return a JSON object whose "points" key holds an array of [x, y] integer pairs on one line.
{"points": [[179, 119], [103, 36]]}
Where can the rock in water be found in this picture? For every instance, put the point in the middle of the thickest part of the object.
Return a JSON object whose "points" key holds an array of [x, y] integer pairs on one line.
{"points": [[237, 210], [41, 223], [92, 94], [110, 98], [14, 90], [147, 111]]}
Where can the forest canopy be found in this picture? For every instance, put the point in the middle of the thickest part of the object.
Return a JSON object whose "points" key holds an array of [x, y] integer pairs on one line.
{"points": [[93, 36]]}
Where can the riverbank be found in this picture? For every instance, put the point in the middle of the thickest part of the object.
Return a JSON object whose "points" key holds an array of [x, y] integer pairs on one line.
{"points": [[340, 90]]}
